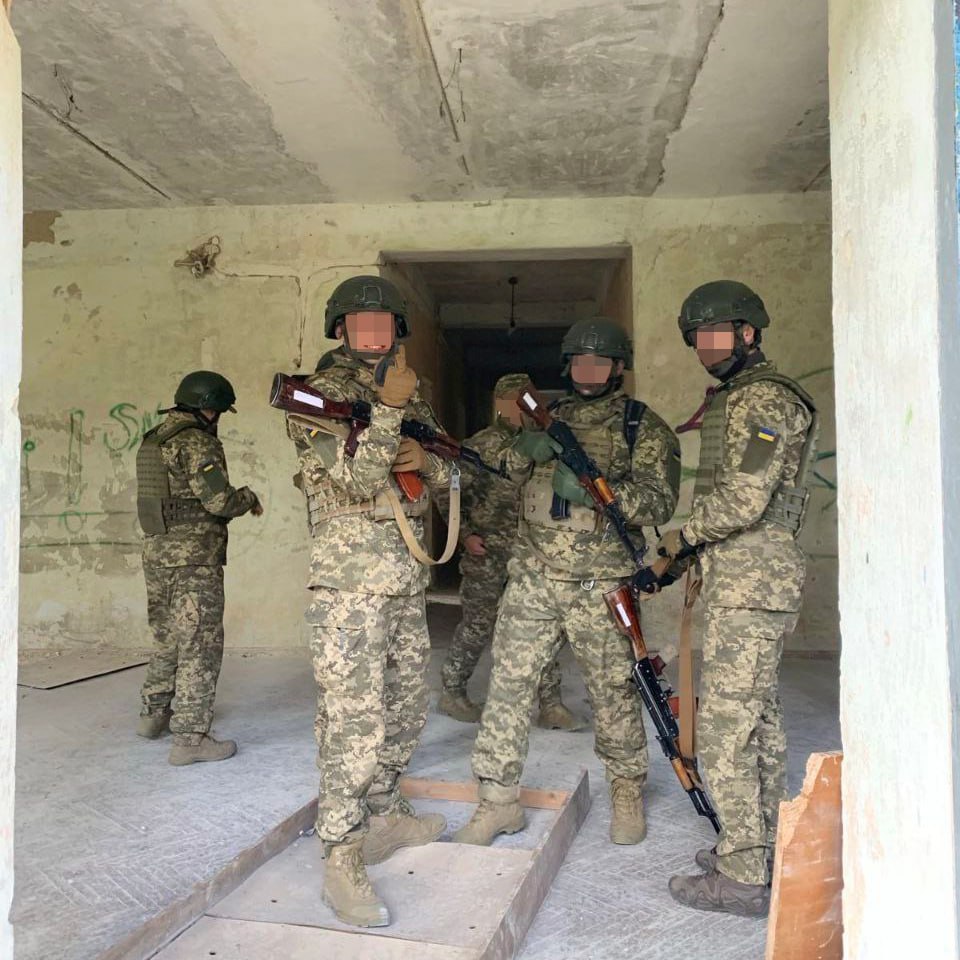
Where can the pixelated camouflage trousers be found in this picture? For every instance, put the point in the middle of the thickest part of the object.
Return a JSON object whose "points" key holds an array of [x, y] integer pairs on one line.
{"points": [[185, 611], [741, 743], [527, 636], [370, 656], [481, 586]]}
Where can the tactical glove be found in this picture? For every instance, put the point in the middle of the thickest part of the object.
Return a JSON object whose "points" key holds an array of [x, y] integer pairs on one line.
{"points": [[537, 445], [411, 457], [673, 545], [567, 486], [396, 382]]}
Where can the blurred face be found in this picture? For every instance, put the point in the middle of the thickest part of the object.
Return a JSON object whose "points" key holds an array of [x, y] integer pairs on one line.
{"points": [[716, 342], [506, 408], [371, 331], [591, 373]]}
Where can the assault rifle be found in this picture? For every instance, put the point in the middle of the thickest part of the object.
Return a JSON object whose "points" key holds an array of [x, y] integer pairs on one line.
{"points": [[621, 602], [656, 698], [292, 394]]}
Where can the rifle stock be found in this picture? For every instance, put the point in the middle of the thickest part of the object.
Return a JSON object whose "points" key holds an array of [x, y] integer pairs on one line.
{"points": [[656, 699]]}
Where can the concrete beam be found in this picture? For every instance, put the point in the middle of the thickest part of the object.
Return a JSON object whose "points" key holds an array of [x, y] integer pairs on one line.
{"points": [[897, 351]]}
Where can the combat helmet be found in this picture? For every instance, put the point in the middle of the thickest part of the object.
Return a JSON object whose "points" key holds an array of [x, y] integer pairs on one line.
{"points": [[719, 301], [600, 336], [366, 293], [205, 390]]}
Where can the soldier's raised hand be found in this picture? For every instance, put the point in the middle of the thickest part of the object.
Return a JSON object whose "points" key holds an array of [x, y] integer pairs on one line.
{"points": [[395, 381]]}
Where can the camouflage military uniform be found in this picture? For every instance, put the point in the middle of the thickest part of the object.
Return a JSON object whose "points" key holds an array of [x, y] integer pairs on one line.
{"points": [[752, 440], [557, 577], [370, 644], [490, 508], [183, 569]]}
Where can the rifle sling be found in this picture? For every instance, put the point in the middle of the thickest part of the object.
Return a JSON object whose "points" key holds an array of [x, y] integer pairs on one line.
{"points": [[410, 538], [688, 709]]}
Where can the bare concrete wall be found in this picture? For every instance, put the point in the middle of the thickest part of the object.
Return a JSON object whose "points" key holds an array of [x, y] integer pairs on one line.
{"points": [[897, 354], [10, 332], [111, 326]]}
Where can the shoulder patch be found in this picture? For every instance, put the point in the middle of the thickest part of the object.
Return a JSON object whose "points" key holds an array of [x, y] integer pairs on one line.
{"points": [[213, 477], [323, 446], [760, 450]]}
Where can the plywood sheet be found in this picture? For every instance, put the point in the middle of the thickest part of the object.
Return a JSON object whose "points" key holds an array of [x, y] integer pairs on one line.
{"points": [[440, 893], [248, 940], [806, 921], [56, 671]]}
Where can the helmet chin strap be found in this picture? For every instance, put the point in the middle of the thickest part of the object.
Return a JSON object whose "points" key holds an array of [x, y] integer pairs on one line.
{"points": [[728, 368], [614, 382], [367, 356]]}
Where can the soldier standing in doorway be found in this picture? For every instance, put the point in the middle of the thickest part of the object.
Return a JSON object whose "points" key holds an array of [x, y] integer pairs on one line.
{"points": [[370, 644], [757, 442], [490, 511], [559, 572], [184, 503]]}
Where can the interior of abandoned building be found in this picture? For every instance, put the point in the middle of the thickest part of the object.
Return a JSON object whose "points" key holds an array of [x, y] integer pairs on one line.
{"points": [[197, 177]]}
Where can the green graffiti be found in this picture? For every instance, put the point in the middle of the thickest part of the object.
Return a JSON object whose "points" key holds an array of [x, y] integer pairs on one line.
{"points": [[128, 427]]}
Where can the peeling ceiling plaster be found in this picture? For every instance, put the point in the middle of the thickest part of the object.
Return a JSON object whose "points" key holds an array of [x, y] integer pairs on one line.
{"points": [[188, 102]]}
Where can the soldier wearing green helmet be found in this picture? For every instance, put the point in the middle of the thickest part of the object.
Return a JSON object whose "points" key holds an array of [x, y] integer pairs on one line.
{"points": [[369, 640], [757, 440], [184, 503], [490, 510], [563, 561]]}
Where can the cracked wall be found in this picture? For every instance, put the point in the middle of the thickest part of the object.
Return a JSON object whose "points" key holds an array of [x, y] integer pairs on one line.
{"points": [[112, 325]]}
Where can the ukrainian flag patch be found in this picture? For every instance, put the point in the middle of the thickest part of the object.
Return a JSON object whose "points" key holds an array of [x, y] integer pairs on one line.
{"points": [[767, 433]]}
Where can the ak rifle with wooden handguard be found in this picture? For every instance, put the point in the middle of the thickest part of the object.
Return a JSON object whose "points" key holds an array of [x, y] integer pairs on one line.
{"points": [[292, 394], [621, 601], [656, 699]]}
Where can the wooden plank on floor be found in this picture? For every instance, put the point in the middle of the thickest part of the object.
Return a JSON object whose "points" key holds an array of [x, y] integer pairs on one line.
{"points": [[252, 940], [806, 922], [57, 671], [416, 788]]}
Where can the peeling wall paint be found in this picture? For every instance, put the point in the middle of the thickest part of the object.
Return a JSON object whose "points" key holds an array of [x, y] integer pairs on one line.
{"points": [[113, 326]]}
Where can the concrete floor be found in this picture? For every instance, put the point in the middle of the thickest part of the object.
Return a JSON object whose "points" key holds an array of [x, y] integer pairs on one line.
{"points": [[108, 833]]}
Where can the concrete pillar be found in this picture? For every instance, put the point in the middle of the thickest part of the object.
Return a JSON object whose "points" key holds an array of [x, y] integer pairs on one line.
{"points": [[897, 351], [11, 330]]}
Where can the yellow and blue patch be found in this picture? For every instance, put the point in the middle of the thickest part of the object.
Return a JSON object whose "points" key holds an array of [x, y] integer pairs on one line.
{"points": [[767, 433]]}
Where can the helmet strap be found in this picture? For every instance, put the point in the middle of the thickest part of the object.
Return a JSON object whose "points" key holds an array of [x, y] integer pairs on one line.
{"points": [[614, 383], [743, 357], [366, 356]]}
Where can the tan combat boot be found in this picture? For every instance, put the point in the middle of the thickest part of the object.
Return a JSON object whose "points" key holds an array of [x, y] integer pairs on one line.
{"points": [[151, 725], [347, 890], [706, 860], [719, 893], [499, 812], [404, 828], [198, 748], [628, 824], [456, 704], [556, 716]]}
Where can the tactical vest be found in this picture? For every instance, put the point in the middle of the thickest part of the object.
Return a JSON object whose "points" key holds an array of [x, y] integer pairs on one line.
{"points": [[597, 440], [327, 499], [157, 511], [788, 504]]}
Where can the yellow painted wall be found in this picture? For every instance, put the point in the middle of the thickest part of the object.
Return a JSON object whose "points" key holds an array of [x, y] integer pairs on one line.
{"points": [[111, 325]]}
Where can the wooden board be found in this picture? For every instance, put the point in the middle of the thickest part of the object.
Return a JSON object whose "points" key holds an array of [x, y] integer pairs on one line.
{"points": [[447, 899], [806, 922], [57, 671]]}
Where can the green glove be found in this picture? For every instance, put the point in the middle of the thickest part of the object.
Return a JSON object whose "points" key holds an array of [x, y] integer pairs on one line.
{"points": [[567, 486], [537, 445]]}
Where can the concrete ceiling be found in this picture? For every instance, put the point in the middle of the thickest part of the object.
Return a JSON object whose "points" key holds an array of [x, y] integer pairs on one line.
{"points": [[131, 104]]}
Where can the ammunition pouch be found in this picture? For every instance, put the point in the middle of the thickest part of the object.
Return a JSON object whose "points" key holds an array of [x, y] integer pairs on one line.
{"points": [[180, 510], [538, 500]]}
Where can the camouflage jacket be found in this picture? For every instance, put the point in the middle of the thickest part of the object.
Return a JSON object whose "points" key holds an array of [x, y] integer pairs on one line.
{"points": [[749, 561], [356, 552], [646, 486], [191, 457], [490, 505]]}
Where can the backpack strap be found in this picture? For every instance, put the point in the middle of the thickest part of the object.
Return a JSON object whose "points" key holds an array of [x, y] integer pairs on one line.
{"points": [[632, 415]]}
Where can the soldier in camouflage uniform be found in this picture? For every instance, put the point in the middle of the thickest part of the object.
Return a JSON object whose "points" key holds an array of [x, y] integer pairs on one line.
{"points": [[184, 503], [560, 570], [757, 441], [490, 510], [370, 644]]}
